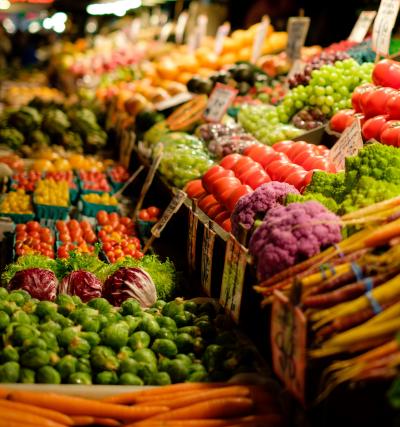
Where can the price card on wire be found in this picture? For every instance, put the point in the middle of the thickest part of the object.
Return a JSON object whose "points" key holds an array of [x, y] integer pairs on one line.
{"points": [[259, 38], [233, 278], [288, 342], [207, 254], [219, 101], [192, 237], [169, 212], [222, 32], [349, 144], [166, 30], [297, 32], [362, 26], [383, 26], [180, 27]]}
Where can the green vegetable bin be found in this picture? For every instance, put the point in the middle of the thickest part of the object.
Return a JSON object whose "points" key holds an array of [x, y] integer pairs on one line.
{"points": [[91, 209], [51, 211], [144, 228], [19, 218]]}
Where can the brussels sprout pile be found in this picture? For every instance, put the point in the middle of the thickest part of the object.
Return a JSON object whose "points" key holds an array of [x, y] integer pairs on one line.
{"points": [[67, 341]]}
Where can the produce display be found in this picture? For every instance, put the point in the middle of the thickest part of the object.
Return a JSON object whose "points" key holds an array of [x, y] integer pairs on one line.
{"points": [[50, 192], [16, 202]]}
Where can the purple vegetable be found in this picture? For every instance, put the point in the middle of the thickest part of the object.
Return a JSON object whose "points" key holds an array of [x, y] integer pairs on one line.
{"points": [[38, 282], [291, 234], [131, 282], [83, 284], [264, 198]]}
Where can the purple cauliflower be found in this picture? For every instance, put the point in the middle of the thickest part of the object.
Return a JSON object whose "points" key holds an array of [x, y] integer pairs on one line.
{"points": [[258, 203], [291, 234]]}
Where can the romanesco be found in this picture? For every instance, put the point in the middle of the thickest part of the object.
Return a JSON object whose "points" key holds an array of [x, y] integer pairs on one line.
{"points": [[328, 184], [328, 202]]}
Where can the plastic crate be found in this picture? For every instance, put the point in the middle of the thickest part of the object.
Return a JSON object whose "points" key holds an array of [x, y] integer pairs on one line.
{"points": [[144, 228], [19, 218], [51, 211], [91, 209]]}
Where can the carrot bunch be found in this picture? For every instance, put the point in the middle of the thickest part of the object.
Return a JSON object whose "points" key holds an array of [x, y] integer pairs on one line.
{"points": [[180, 405]]}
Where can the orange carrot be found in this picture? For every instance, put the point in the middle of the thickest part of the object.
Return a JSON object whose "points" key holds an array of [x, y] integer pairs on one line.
{"points": [[46, 413], [84, 420], [383, 234], [16, 415], [155, 392], [215, 408], [71, 405], [181, 423], [189, 399], [8, 423], [4, 393]]}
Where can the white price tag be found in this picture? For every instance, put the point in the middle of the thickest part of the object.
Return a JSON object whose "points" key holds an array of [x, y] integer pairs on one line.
{"points": [[259, 39], [178, 99], [362, 26], [297, 67], [349, 144], [202, 22], [297, 33], [135, 28], [180, 27], [222, 32], [166, 31], [220, 100], [383, 26]]}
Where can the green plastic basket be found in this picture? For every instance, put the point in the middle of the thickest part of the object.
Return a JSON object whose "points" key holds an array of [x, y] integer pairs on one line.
{"points": [[91, 209], [144, 228], [19, 218], [51, 211]]}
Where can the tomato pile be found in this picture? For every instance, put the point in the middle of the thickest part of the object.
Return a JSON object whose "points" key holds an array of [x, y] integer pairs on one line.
{"points": [[25, 180], [62, 176], [33, 238], [151, 214], [72, 235], [95, 181], [119, 174], [117, 235]]}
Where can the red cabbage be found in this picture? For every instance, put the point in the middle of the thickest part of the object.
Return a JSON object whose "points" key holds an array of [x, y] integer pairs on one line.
{"points": [[83, 284], [38, 282], [130, 282]]}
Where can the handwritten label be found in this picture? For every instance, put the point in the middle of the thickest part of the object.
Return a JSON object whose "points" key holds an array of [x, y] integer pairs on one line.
{"points": [[219, 101], [166, 31], [362, 26], [180, 27], [175, 100], [222, 32], [383, 26], [202, 22], [288, 342], [172, 208], [207, 253], [192, 239], [297, 33], [297, 67], [259, 39], [233, 278], [127, 144], [349, 144]]}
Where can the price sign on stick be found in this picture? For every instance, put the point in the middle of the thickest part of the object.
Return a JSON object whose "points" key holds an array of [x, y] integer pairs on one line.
{"points": [[192, 238], [166, 31], [362, 26], [207, 253], [297, 33], [349, 144], [180, 27], [219, 101], [383, 26], [174, 101], [222, 32], [135, 28], [202, 22], [259, 39], [127, 144], [297, 67]]}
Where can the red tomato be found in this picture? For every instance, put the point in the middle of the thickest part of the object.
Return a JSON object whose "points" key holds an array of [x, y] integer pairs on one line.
{"points": [[126, 221], [283, 146], [236, 195], [302, 156], [255, 167], [221, 217], [153, 211], [358, 92], [195, 189], [296, 179], [223, 184], [341, 120], [215, 210], [214, 174], [226, 225], [393, 107], [62, 252], [376, 101], [256, 180], [144, 215], [260, 153], [35, 235], [102, 217], [316, 162], [391, 133], [242, 164], [85, 225], [373, 127], [20, 227], [229, 161], [273, 169], [89, 237], [32, 226], [207, 202], [113, 217], [387, 73], [297, 148], [65, 237], [107, 246], [21, 236]]}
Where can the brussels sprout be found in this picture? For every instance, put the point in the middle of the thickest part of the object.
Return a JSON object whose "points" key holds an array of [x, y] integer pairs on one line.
{"points": [[190, 306], [67, 365], [80, 378], [84, 365], [104, 359], [208, 331], [100, 304], [166, 322], [90, 324], [54, 358], [113, 317], [173, 308], [63, 321], [124, 353], [67, 335], [82, 314], [103, 321], [50, 339], [48, 375], [91, 337], [184, 319], [150, 326], [163, 364], [21, 318], [46, 308], [166, 334], [184, 342], [106, 377], [213, 357], [207, 308], [129, 365], [130, 306], [22, 333], [165, 347], [66, 304], [30, 306], [4, 320], [199, 345], [185, 359], [159, 305], [78, 346], [116, 335], [145, 355], [177, 370], [129, 379], [155, 312], [9, 372], [50, 326], [20, 297], [9, 354], [194, 331], [8, 307], [161, 378], [77, 300], [138, 340], [145, 372], [34, 319], [197, 376], [35, 358], [34, 342], [132, 322], [27, 376], [3, 293]]}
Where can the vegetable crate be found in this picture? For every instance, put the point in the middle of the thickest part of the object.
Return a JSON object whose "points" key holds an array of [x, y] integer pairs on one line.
{"points": [[91, 209], [19, 218], [51, 211]]}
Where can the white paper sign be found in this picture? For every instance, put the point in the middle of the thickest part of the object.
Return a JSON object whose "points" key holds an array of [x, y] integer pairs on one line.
{"points": [[297, 33], [349, 144], [166, 31], [222, 32], [383, 26], [362, 26], [259, 39], [220, 100], [180, 27], [297, 67], [135, 28]]}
